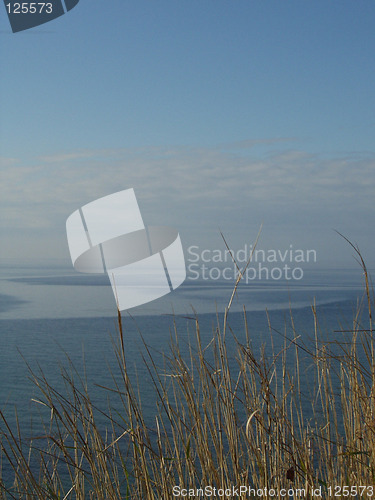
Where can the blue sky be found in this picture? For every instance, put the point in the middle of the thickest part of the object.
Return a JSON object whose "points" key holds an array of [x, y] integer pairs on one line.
{"points": [[221, 114]]}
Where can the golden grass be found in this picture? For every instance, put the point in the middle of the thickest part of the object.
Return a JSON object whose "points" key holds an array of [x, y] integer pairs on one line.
{"points": [[214, 424]]}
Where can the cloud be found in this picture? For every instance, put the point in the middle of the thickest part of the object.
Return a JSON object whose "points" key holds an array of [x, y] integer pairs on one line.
{"points": [[196, 184], [251, 143], [7, 162], [66, 157]]}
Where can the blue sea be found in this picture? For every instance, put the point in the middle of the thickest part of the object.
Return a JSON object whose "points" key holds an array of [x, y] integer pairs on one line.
{"points": [[51, 317]]}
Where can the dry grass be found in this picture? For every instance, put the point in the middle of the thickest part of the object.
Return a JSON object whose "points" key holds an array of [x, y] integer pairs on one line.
{"points": [[216, 422]]}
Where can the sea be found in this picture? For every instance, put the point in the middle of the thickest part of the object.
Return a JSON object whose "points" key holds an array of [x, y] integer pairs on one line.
{"points": [[54, 319]]}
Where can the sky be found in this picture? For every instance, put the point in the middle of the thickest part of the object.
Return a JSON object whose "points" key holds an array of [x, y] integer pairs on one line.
{"points": [[223, 115]]}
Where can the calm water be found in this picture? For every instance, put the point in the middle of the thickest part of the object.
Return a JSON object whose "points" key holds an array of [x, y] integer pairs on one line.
{"points": [[46, 312], [49, 315]]}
